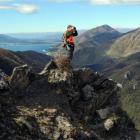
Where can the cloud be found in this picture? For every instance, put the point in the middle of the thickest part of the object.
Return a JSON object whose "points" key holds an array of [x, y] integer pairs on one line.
{"points": [[21, 8], [63, 1], [112, 2], [26, 8], [100, 2]]}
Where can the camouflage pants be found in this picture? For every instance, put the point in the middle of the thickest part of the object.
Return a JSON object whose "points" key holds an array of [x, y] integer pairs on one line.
{"points": [[70, 50]]}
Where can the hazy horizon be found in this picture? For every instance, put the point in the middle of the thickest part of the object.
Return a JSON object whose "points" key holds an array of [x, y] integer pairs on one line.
{"points": [[117, 28]]}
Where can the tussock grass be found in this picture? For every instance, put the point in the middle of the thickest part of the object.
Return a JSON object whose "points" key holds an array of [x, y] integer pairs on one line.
{"points": [[63, 62]]}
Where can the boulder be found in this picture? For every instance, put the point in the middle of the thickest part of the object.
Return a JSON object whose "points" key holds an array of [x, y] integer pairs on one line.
{"points": [[56, 135], [28, 125], [64, 126], [57, 76], [4, 86], [50, 66], [129, 75], [119, 85], [106, 112], [84, 76], [99, 81], [108, 124], [88, 92], [21, 77]]}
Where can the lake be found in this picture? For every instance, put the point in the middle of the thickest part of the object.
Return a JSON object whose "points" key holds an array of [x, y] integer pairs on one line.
{"points": [[25, 47]]}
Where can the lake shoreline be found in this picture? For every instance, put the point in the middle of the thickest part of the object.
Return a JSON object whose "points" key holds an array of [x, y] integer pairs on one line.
{"points": [[41, 48]]}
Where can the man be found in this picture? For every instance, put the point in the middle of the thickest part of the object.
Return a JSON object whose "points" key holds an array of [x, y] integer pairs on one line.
{"points": [[68, 40]]}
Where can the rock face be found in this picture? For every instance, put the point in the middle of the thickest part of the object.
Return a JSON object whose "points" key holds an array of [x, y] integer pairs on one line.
{"points": [[3, 83], [104, 113], [63, 105], [21, 77]]}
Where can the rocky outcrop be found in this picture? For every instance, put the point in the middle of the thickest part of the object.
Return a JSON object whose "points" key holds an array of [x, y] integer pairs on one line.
{"points": [[21, 78], [3, 82], [63, 105]]}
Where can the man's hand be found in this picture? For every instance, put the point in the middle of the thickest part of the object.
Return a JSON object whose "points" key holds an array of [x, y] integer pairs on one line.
{"points": [[64, 45], [74, 28], [75, 33]]}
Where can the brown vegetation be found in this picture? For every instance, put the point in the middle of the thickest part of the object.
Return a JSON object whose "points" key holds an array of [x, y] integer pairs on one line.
{"points": [[62, 62]]}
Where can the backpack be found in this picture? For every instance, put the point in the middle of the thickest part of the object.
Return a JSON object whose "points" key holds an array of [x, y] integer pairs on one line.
{"points": [[68, 38]]}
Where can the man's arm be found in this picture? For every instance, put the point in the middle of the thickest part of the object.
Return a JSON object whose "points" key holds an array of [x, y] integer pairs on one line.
{"points": [[65, 37], [64, 40], [75, 32]]}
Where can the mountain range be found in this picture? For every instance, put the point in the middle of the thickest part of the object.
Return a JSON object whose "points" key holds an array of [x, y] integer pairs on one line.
{"points": [[127, 44], [103, 49], [41, 36], [101, 46], [124, 30], [92, 45], [10, 59], [7, 39], [105, 43], [50, 37]]}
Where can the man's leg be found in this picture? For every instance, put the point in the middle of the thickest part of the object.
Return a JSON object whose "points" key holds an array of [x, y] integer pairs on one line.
{"points": [[70, 52]]}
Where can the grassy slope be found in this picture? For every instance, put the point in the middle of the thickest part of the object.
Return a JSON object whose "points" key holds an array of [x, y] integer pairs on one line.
{"points": [[130, 99]]}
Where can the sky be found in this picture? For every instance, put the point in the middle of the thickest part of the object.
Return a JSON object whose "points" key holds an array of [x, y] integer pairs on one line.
{"points": [[19, 16]]}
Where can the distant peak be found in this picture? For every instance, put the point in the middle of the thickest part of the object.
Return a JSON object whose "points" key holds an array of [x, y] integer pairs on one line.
{"points": [[106, 27]]}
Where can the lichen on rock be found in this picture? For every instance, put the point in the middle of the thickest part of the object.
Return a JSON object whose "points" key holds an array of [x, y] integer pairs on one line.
{"points": [[61, 104]]}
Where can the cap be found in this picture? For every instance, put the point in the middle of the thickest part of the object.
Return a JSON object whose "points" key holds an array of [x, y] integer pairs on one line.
{"points": [[69, 26]]}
